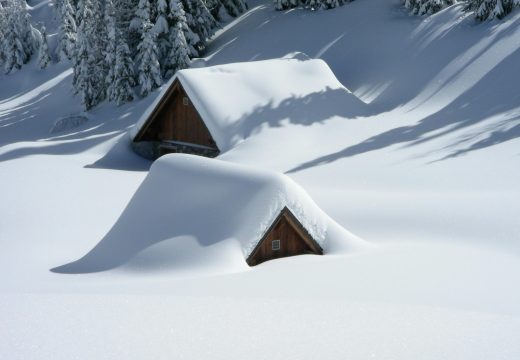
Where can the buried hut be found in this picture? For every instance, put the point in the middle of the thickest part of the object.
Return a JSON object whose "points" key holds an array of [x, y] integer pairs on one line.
{"points": [[207, 110], [217, 215]]}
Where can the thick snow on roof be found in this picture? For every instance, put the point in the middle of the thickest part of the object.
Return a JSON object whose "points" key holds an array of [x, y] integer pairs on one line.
{"points": [[231, 98], [220, 204]]}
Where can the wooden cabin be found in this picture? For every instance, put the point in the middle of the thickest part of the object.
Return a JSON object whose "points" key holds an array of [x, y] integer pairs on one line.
{"points": [[174, 126], [285, 237], [208, 110]]}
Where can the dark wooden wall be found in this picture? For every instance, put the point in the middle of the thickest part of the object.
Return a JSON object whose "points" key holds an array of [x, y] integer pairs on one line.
{"points": [[174, 119], [293, 241]]}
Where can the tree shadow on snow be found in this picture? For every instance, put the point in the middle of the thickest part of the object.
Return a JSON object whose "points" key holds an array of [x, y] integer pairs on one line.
{"points": [[493, 95], [314, 108]]}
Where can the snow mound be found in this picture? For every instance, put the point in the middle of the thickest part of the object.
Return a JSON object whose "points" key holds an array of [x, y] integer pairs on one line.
{"points": [[224, 207], [232, 99]]}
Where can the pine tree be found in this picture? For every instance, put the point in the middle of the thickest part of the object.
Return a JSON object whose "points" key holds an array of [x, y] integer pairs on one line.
{"points": [[28, 35], [43, 51], [288, 4], [200, 20], [412, 5], [3, 32], [161, 31], [14, 53], [123, 72], [135, 26], [99, 37], [178, 58], [491, 9], [68, 29], [78, 15], [178, 15], [221, 9], [329, 4], [128, 22], [84, 58], [149, 71], [19, 40], [428, 7], [110, 50], [232, 7]]}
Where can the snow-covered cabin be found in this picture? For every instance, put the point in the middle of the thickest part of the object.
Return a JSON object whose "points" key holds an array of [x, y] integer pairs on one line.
{"points": [[213, 213], [207, 110]]}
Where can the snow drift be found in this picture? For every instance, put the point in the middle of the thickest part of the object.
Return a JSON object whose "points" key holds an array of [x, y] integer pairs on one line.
{"points": [[224, 207], [232, 99]]}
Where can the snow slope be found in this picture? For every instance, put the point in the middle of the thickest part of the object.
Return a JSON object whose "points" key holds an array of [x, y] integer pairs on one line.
{"points": [[429, 174]]}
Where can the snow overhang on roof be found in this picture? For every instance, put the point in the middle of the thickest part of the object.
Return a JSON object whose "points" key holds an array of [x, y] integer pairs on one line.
{"points": [[233, 98]]}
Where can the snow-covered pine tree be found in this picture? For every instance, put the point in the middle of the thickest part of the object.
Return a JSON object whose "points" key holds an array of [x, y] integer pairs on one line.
{"points": [[16, 50], [329, 4], [123, 72], [214, 6], [231, 7], [428, 7], [161, 30], [78, 14], [120, 76], [43, 51], [3, 31], [135, 26], [290, 4], [491, 9], [110, 49], [149, 70], [200, 20], [28, 35], [99, 35], [284, 4], [412, 6], [178, 58], [178, 15], [68, 29], [84, 57]]}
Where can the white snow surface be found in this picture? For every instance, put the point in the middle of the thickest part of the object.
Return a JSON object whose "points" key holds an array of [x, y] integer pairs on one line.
{"points": [[428, 174], [220, 204], [233, 99]]}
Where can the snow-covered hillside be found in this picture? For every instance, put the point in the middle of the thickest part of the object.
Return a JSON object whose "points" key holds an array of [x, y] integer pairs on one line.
{"points": [[428, 174]]}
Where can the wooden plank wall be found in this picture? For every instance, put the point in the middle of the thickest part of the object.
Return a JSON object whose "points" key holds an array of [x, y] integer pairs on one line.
{"points": [[292, 243], [177, 119], [180, 121]]}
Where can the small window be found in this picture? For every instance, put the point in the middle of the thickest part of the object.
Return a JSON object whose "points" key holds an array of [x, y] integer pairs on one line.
{"points": [[275, 245], [185, 101]]}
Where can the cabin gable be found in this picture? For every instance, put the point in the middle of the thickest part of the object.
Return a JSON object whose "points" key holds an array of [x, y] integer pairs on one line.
{"points": [[175, 126], [285, 237]]}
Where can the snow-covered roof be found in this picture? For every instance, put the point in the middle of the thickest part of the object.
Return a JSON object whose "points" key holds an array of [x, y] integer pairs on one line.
{"points": [[218, 203], [230, 97]]}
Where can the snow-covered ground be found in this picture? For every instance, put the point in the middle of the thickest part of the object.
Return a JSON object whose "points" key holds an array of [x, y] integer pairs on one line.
{"points": [[429, 176]]}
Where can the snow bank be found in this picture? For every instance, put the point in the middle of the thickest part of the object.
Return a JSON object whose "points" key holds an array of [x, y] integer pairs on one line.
{"points": [[233, 98], [214, 202]]}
